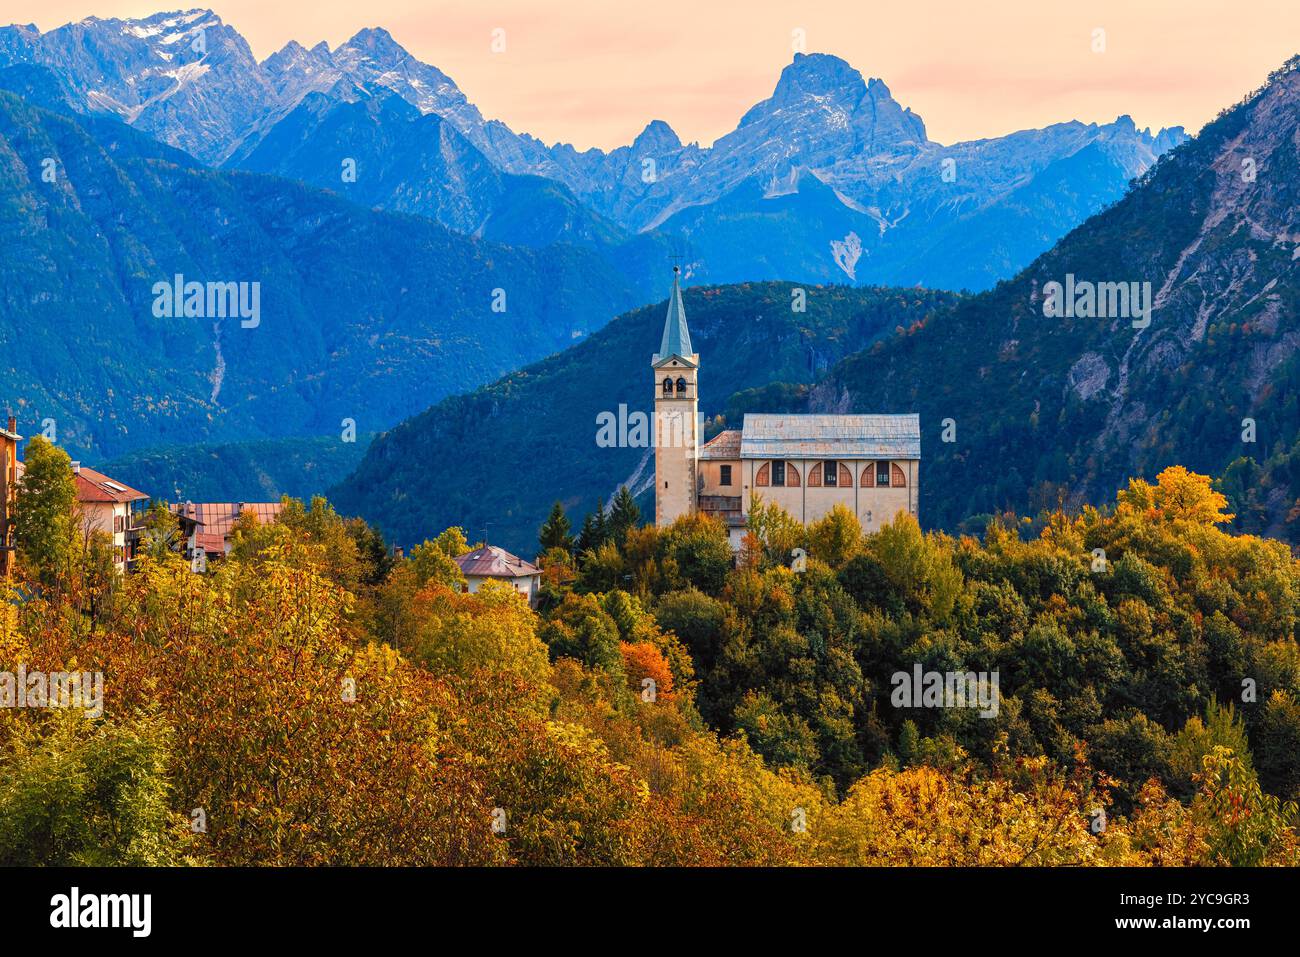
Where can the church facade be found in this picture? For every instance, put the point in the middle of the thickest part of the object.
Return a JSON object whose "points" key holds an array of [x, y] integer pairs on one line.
{"points": [[807, 464]]}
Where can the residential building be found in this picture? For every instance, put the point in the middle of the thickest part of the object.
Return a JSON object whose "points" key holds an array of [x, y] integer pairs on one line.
{"points": [[9, 439], [207, 526], [490, 563], [113, 508]]}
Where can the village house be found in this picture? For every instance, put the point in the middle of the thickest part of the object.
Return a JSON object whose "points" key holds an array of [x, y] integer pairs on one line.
{"points": [[9, 439], [105, 505], [490, 563], [110, 507], [206, 526], [807, 464]]}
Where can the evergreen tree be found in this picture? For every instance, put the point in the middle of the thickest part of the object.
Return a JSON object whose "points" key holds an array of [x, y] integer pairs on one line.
{"points": [[45, 513], [623, 515], [587, 540], [594, 532], [555, 531]]}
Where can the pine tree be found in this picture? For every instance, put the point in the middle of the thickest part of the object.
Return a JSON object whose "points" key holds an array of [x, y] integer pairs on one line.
{"points": [[591, 533], [623, 515], [555, 531]]}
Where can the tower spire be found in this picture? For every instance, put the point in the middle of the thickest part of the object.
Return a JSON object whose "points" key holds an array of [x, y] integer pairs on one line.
{"points": [[677, 337]]}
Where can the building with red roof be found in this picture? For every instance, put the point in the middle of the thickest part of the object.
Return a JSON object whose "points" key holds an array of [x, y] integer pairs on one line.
{"points": [[113, 508]]}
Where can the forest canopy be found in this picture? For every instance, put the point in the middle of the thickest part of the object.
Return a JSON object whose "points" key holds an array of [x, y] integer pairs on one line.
{"points": [[315, 699]]}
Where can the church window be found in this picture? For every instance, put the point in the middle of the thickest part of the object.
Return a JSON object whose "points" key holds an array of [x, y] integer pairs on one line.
{"points": [[761, 478], [882, 474], [830, 473], [778, 474], [668, 385], [681, 386], [725, 477], [900, 480]]}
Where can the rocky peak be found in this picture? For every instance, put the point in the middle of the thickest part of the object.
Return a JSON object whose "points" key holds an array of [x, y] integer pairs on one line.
{"points": [[657, 137]]}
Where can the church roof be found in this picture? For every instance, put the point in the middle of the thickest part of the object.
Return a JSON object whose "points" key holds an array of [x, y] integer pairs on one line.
{"points": [[724, 446], [831, 437], [677, 338]]}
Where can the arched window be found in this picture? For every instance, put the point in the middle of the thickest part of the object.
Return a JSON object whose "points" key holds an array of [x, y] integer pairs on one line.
{"points": [[668, 385], [681, 386], [899, 479], [761, 479]]}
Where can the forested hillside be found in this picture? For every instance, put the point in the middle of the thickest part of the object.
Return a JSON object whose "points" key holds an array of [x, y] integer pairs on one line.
{"points": [[314, 701], [1063, 409]]}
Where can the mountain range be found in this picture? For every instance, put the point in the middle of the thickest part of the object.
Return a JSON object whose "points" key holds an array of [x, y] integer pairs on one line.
{"points": [[1021, 407], [363, 315], [872, 198]]}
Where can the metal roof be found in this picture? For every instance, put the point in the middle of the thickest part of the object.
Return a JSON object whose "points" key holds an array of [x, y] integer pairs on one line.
{"points": [[489, 561], [677, 338], [831, 436], [217, 518]]}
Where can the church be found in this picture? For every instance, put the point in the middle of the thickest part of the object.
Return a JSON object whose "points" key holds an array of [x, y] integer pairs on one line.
{"points": [[807, 464]]}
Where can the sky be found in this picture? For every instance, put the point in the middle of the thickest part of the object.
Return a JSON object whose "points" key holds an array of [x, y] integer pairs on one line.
{"points": [[594, 72]]}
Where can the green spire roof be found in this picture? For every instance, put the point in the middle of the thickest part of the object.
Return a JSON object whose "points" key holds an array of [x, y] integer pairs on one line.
{"points": [[677, 338]]}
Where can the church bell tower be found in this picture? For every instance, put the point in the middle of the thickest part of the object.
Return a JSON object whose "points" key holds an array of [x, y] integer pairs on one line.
{"points": [[676, 378]]}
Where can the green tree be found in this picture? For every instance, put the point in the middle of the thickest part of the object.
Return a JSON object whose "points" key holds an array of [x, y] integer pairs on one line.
{"points": [[593, 533], [1278, 736], [623, 515], [555, 531], [83, 793], [45, 513], [781, 738]]}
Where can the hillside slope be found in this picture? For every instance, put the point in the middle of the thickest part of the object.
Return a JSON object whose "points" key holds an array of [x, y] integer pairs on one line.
{"points": [[362, 314], [1049, 408]]}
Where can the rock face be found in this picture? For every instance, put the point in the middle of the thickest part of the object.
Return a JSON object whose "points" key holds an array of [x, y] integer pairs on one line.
{"points": [[959, 216], [1075, 405]]}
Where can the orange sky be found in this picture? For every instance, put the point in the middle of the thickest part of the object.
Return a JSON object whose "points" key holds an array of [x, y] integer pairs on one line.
{"points": [[593, 72]]}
